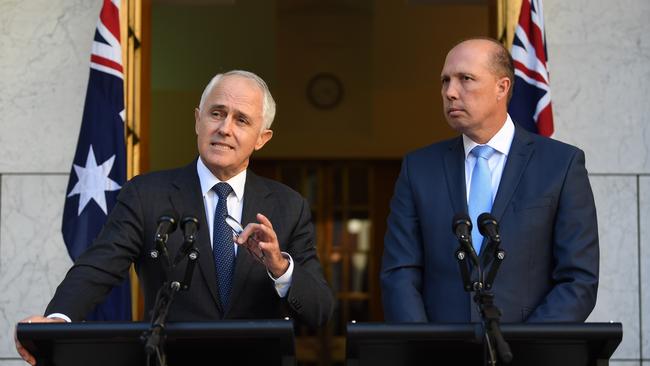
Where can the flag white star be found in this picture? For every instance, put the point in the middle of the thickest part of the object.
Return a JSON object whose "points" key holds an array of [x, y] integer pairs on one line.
{"points": [[93, 182]]}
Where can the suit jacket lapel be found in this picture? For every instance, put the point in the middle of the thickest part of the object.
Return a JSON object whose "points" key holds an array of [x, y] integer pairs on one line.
{"points": [[455, 175], [256, 200], [189, 201], [521, 150]]}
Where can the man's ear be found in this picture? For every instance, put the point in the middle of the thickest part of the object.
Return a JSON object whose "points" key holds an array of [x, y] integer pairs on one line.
{"points": [[263, 138], [503, 87], [197, 113]]}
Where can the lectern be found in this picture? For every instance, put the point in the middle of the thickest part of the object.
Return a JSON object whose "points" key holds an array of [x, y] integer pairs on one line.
{"points": [[570, 344], [259, 342]]}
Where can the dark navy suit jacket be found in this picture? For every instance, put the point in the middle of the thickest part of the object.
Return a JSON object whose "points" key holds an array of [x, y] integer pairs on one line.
{"points": [[128, 236], [547, 217]]}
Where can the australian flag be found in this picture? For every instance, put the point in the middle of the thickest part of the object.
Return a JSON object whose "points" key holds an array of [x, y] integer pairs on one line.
{"points": [[530, 106], [99, 167]]}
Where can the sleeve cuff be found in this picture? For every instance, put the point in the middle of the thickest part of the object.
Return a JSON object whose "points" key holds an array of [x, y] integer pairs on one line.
{"points": [[283, 283], [60, 316]]}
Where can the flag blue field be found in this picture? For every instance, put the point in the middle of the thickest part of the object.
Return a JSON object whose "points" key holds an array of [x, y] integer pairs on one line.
{"points": [[99, 167]]}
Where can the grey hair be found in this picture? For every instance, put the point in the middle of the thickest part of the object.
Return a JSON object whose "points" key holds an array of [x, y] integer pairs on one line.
{"points": [[268, 104]]}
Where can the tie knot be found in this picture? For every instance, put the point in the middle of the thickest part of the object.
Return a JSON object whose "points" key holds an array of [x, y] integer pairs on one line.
{"points": [[222, 189], [482, 151]]}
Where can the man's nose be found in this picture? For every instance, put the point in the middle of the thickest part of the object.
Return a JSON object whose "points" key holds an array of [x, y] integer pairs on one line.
{"points": [[225, 127], [450, 90]]}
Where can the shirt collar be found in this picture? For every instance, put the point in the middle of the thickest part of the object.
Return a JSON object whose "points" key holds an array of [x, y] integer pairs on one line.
{"points": [[500, 142], [208, 180]]}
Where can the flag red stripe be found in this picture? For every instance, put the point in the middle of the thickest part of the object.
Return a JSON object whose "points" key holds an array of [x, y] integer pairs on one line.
{"points": [[530, 73], [532, 31], [106, 62], [110, 17]]}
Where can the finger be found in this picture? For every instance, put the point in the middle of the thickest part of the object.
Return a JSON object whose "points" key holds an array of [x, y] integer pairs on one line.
{"points": [[251, 246], [266, 246], [271, 251], [264, 221], [22, 351], [27, 356], [249, 230], [24, 354], [254, 246], [266, 233]]}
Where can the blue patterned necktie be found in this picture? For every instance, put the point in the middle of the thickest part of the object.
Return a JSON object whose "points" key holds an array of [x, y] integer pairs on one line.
{"points": [[480, 191], [223, 246]]}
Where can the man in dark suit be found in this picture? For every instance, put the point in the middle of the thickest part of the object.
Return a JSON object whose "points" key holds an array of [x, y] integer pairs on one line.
{"points": [[537, 189], [270, 271]]}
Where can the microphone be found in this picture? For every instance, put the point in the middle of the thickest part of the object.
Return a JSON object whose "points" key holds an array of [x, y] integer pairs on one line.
{"points": [[166, 225], [461, 225], [190, 226], [489, 227]]}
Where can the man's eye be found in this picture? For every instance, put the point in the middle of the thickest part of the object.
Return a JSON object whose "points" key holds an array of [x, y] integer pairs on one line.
{"points": [[467, 77]]}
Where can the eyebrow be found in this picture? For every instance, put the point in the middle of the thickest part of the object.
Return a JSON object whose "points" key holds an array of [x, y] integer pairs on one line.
{"points": [[217, 106], [240, 113]]}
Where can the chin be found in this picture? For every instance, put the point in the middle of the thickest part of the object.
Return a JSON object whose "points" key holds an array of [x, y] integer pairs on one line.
{"points": [[456, 125]]}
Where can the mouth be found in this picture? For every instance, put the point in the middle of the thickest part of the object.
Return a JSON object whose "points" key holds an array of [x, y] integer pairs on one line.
{"points": [[454, 111], [221, 146]]}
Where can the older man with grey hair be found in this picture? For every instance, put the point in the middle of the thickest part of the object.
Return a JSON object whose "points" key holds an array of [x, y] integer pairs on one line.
{"points": [[270, 270]]}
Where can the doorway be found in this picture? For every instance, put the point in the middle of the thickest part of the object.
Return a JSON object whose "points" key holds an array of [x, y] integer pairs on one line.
{"points": [[357, 86]]}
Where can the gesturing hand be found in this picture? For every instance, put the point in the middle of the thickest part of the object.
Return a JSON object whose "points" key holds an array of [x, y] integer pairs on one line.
{"points": [[262, 242]]}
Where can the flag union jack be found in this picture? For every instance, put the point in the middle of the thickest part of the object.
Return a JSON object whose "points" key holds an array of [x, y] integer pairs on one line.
{"points": [[531, 106], [107, 52], [99, 166]]}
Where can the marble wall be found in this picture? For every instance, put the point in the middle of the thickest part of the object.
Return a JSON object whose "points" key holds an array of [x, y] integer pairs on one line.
{"points": [[600, 68], [44, 60], [599, 54]]}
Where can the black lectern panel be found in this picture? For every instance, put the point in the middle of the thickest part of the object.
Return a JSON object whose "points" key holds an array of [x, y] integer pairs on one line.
{"points": [[461, 344], [104, 343]]}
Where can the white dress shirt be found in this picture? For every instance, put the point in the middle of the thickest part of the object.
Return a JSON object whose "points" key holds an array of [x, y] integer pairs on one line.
{"points": [[235, 206], [501, 143]]}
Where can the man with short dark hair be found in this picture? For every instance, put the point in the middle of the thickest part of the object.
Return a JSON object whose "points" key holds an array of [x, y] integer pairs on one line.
{"points": [[270, 271], [537, 189]]}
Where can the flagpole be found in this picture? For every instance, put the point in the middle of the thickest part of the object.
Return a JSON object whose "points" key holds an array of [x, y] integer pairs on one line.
{"points": [[130, 32]]}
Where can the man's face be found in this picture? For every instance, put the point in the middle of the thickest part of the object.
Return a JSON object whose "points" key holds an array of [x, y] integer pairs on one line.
{"points": [[229, 126], [472, 95]]}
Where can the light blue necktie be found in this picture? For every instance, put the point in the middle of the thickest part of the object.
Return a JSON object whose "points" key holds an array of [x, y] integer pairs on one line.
{"points": [[223, 247], [480, 191]]}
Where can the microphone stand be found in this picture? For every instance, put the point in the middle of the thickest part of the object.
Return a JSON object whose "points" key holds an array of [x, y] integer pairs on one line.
{"points": [[484, 300], [154, 337]]}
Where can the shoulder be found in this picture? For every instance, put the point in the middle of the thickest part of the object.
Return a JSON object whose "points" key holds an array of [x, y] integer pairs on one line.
{"points": [[160, 182], [436, 148], [547, 146], [434, 152], [274, 187], [157, 178]]}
